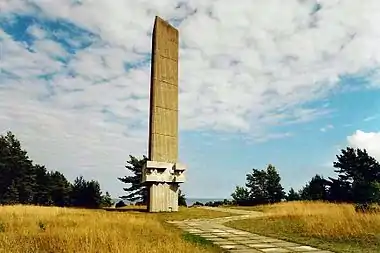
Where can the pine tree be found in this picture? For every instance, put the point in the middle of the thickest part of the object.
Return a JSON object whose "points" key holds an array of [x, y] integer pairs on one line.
{"points": [[293, 195], [275, 191], [60, 189], [107, 200], [135, 190], [257, 186], [361, 172], [181, 198], [316, 189], [15, 168], [43, 186], [241, 196]]}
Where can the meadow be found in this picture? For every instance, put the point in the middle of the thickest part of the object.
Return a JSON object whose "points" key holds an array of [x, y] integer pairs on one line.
{"points": [[336, 227], [27, 229]]}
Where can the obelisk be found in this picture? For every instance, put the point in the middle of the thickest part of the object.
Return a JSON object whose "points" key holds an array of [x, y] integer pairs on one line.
{"points": [[162, 174]]}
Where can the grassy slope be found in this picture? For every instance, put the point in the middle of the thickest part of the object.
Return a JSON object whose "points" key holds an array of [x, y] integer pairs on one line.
{"points": [[26, 229], [329, 226]]}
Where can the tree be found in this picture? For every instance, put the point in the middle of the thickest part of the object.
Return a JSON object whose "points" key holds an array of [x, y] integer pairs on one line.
{"points": [[86, 193], [10, 196], [316, 189], [107, 200], [241, 196], [293, 195], [60, 189], [16, 171], [120, 204], [257, 186], [265, 186], [360, 172], [181, 198], [339, 190], [275, 191], [43, 187], [136, 190]]}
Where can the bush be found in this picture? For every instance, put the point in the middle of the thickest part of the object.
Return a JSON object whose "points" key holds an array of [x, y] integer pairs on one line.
{"points": [[197, 203], [120, 204]]}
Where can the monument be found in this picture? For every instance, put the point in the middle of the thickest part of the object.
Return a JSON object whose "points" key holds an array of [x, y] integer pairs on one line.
{"points": [[162, 174]]}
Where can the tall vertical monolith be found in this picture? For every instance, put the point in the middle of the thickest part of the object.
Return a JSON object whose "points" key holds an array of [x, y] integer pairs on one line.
{"points": [[162, 174]]}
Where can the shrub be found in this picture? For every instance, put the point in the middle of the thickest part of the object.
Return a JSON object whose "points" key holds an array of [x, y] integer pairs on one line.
{"points": [[120, 204]]}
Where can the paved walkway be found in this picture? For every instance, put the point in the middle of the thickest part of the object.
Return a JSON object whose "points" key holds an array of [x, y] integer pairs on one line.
{"points": [[238, 241]]}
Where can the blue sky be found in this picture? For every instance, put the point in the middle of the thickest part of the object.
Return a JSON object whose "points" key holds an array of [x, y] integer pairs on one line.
{"points": [[254, 89]]}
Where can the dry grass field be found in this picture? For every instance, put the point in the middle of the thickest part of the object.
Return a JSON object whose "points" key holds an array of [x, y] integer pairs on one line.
{"points": [[27, 229], [330, 226]]}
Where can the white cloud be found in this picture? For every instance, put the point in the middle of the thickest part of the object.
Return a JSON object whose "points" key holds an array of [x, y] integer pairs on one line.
{"points": [[243, 67], [370, 118], [326, 128], [366, 140]]}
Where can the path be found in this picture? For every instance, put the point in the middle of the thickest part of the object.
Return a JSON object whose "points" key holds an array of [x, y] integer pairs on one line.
{"points": [[238, 241]]}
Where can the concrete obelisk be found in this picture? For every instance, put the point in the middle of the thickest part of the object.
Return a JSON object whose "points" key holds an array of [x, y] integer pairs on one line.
{"points": [[162, 174]]}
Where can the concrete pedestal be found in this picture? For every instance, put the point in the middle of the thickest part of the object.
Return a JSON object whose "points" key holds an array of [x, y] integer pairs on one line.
{"points": [[162, 180]]}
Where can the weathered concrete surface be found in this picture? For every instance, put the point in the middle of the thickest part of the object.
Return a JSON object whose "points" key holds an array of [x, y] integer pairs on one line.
{"points": [[162, 174], [238, 241], [163, 130]]}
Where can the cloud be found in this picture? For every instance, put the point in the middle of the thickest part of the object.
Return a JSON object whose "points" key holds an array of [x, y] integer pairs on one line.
{"points": [[326, 128], [366, 140], [370, 118], [82, 69]]}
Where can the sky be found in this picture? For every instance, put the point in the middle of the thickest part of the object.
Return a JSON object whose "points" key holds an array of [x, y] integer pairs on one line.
{"points": [[260, 82]]}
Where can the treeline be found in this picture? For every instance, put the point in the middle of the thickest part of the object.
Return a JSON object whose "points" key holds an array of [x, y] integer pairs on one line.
{"points": [[22, 182], [357, 181]]}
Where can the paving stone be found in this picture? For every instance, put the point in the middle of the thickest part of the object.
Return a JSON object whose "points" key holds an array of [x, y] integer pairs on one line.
{"points": [[239, 238], [228, 246], [209, 237], [194, 230], [276, 250], [272, 240], [241, 233], [302, 248], [261, 245], [245, 251], [250, 241], [221, 234], [285, 244], [240, 247], [218, 239], [224, 243], [217, 231]]}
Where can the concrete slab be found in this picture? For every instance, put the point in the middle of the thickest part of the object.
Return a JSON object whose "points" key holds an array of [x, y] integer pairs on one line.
{"points": [[285, 244], [244, 251], [261, 245], [276, 250], [303, 248]]}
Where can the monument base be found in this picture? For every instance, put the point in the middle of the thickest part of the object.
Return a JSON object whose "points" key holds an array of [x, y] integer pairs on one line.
{"points": [[162, 180], [163, 197]]}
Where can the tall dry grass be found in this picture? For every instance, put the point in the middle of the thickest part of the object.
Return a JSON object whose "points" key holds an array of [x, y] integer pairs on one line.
{"points": [[26, 229], [326, 219]]}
